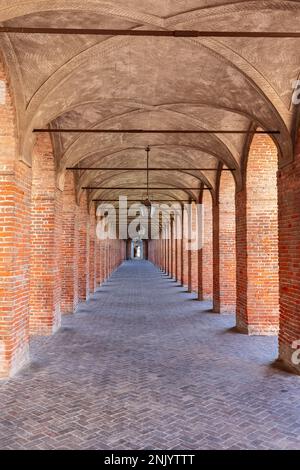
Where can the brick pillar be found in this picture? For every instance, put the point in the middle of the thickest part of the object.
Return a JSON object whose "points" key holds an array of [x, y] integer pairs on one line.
{"points": [[83, 264], [174, 251], [178, 228], [207, 251], [189, 268], [176, 261], [92, 251], [15, 182], [227, 248], [165, 252], [161, 259], [182, 264], [168, 250], [185, 255], [289, 262], [108, 258], [171, 244], [46, 230], [161, 251], [102, 261], [216, 257], [98, 260], [194, 251], [15, 178], [257, 242], [69, 247], [200, 272], [179, 266]]}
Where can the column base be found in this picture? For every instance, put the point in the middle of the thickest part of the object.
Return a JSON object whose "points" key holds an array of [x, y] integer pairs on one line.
{"points": [[20, 360], [288, 358], [256, 330]]}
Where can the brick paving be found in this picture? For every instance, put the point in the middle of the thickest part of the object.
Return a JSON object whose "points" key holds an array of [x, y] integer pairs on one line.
{"points": [[143, 365]]}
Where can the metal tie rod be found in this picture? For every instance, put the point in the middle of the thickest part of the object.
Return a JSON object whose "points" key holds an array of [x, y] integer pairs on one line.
{"points": [[145, 169], [154, 131], [148, 32], [142, 189]]}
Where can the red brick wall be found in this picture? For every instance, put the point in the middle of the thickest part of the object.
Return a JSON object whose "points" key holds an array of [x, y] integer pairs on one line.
{"points": [[179, 273], [257, 242], [46, 228], [83, 262], [216, 257], [186, 262], [102, 261], [15, 182], [70, 247], [289, 259], [227, 262], [207, 251], [97, 261], [194, 251], [92, 251]]}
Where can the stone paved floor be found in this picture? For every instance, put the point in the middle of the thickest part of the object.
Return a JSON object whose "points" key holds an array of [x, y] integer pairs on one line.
{"points": [[143, 365]]}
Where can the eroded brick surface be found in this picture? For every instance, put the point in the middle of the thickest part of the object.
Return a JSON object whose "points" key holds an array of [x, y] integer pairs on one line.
{"points": [[144, 365]]}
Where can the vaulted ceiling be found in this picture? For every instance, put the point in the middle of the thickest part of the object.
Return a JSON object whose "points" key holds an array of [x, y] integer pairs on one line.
{"points": [[85, 81]]}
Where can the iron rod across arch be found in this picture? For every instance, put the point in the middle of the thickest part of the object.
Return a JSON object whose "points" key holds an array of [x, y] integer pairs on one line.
{"points": [[149, 32], [144, 189], [154, 131], [145, 169]]}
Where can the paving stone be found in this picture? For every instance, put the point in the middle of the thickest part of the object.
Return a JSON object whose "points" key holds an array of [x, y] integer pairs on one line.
{"points": [[140, 366]]}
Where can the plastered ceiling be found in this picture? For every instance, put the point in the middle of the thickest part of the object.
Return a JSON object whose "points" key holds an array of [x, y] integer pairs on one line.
{"points": [[152, 82]]}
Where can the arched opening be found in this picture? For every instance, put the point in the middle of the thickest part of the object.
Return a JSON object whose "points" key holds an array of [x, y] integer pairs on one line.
{"points": [[137, 249]]}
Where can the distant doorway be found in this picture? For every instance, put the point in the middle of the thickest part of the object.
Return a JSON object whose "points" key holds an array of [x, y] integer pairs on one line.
{"points": [[137, 251]]}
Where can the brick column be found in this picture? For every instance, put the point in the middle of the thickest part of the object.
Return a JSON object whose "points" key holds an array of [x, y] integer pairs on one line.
{"points": [[46, 230], [69, 247], [83, 264], [207, 251], [176, 261], [102, 261], [182, 263], [92, 251], [168, 250], [178, 228], [165, 252], [15, 182], [185, 255], [98, 260], [216, 257], [200, 273], [171, 244], [257, 242], [227, 248], [194, 251], [289, 262]]}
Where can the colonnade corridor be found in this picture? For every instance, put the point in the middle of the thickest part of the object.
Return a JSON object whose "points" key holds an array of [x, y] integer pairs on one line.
{"points": [[144, 365]]}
